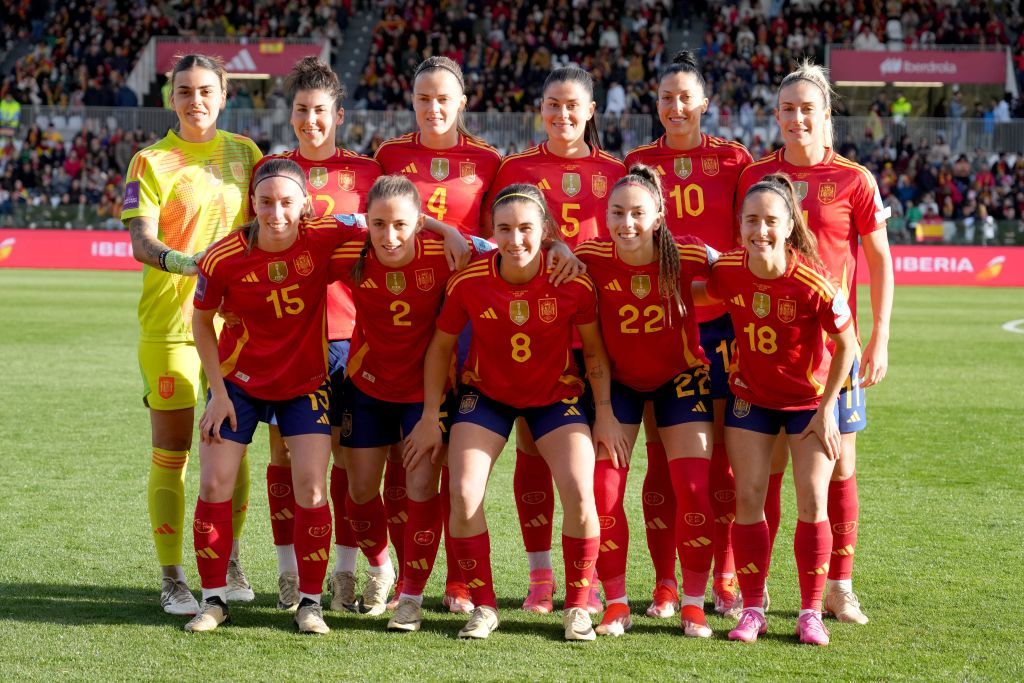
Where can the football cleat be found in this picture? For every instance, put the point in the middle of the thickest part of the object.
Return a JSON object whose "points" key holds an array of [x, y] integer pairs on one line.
{"points": [[577, 624], [694, 623], [288, 591], [539, 598], [726, 595], [310, 618], [408, 616], [616, 620], [375, 593], [343, 592], [239, 589], [212, 614], [665, 603], [482, 623], [176, 598], [752, 624], [457, 598], [845, 606], [810, 629]]}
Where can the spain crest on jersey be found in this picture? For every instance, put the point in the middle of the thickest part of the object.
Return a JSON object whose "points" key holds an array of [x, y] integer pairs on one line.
{"points": [[237, 171], [438, 169], [801, 189], [683, 167], [787, 310], [741, 408], [277, 271], [318, 176], [425, 279], [347, 180], [599, 186], [395, 282], [467, 172], [547, 309], [571, 184], [709, 165], [304, 264], [519, 311], [640, 285], [762, 304], [827, 192]]}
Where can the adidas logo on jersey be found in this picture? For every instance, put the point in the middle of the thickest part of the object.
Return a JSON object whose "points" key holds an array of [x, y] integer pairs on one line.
{"points": [[613, 286], [251, 277], [368, 284], [544, 185], [738, 301], [853, 418], [411, 168], [489, 314]]}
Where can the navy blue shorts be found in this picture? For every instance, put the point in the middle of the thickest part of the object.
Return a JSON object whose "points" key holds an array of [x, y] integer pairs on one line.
{"points": [[853, 408], [719, 343], [368, 422], [305, 414], [687, 398], [479, 409], [745, 415], [337, 359]]}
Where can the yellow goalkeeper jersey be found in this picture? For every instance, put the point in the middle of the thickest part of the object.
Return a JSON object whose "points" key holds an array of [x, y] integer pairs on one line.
{"points": [[197, 193]]}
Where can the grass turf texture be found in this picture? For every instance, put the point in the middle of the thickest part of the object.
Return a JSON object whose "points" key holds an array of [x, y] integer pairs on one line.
{"points": [[940, 547]]}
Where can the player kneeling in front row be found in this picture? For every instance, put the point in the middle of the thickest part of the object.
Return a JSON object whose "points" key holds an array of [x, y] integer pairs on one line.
{"points": [[781, 303], [520, 363]]}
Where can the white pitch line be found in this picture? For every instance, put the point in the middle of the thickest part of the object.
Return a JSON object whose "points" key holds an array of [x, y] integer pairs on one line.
{"points": [[1015, 326]]}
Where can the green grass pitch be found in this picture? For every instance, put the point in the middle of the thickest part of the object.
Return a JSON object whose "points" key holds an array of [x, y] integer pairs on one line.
{"points": [[939, 561]]}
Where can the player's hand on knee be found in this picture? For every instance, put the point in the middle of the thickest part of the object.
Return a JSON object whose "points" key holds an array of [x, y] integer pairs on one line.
{"points": [[608, 435], [423, 442], [824, 427]]}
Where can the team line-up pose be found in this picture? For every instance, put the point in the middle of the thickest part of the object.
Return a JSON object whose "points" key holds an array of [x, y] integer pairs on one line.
{"points": [[576, 363]]}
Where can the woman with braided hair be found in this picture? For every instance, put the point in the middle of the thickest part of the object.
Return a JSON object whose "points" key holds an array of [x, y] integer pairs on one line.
{"points": [[644, 277]]}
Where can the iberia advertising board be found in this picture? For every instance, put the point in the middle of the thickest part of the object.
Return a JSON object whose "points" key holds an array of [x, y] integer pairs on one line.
{"points": [[963, 266], [66, 249]]}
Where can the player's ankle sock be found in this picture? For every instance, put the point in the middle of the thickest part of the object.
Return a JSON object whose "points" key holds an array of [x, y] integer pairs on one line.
{"points": [[659, 505], [844, 585], [345, 557], [535, 500], [843, 515], [312, 597], [539, 560], [417, 598], [287, 563], [166, 493], [281, 501], [812, 544]]}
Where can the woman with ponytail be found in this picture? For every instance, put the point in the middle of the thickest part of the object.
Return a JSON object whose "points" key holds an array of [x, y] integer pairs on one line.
{"points": [[785, 377], [576, 177], [452, 170], [646, 310], [698, 173], [840, 202]]}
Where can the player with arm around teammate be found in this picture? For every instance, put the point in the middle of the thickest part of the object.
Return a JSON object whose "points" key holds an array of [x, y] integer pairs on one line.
{"points": [[698, 175], [784, 378], [842, 207], [643, 280], [520, 364], [182, 194]]}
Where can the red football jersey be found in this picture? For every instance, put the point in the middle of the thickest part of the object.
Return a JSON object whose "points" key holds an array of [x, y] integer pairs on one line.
{"points": [[700, 191], [337, 185], [278, 351], [396, 312], [781, 359], [645, 349], [576, 190], [452, 182], [840, 201], [521, 351]]}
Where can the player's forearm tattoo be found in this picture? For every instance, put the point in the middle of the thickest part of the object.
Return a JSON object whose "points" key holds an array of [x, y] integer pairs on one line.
{"points": [[144, 243]]}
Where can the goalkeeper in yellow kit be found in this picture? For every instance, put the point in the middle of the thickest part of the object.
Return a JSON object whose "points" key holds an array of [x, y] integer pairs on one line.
{"points": [[182, 194]]}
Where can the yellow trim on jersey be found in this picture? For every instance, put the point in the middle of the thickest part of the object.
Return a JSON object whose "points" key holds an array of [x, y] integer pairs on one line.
{"points": [[819, 388], [479, 269], [817, 283], [843, 162], [401, 139], [356, 360], [229, 363], [595, 248]]}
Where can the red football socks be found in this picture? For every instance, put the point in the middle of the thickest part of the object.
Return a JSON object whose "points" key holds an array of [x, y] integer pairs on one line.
{"points": [[843, 514], [659, 505], [580, 556], [395, 502], [812, 544], [422, 536], [750, 544], [474, 556], [281, 501], [535, 500], [369, 528], [694, 524], [723, 505], [212, 534], [773, 506], [339, 492], [609, 492], [312, 546]]}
